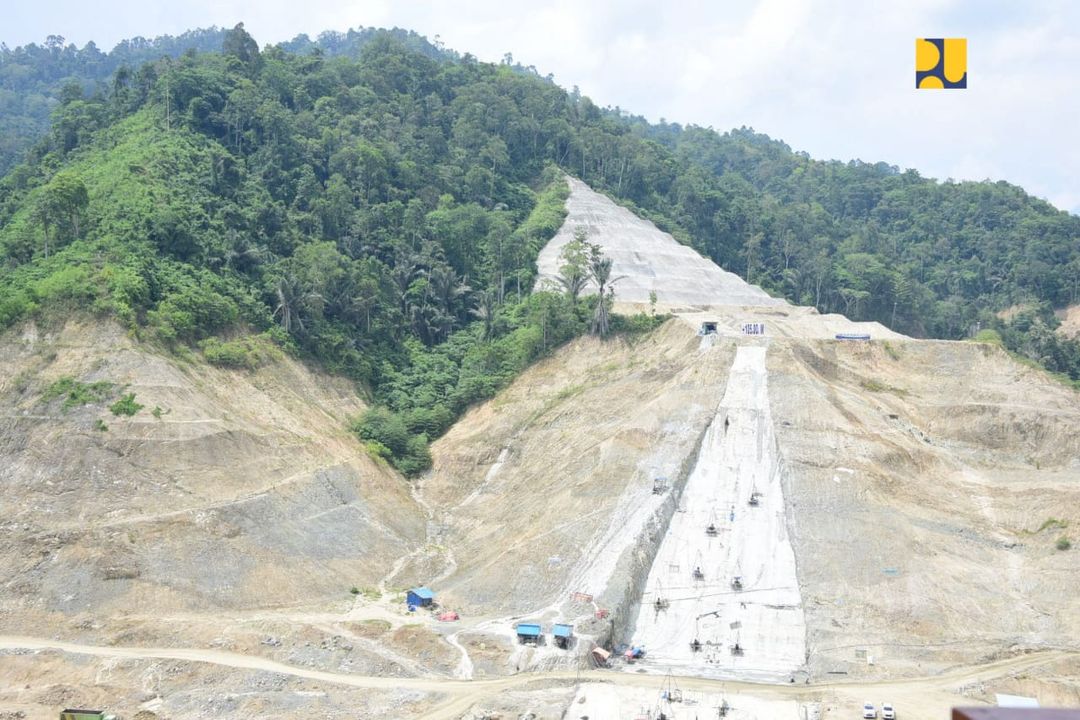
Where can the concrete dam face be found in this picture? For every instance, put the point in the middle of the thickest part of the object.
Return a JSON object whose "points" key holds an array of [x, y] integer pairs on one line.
{"points": [[722, 597]]}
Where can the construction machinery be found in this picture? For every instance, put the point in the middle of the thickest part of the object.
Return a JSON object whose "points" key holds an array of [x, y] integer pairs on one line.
{"points": [[563, 634], [671, 691]]}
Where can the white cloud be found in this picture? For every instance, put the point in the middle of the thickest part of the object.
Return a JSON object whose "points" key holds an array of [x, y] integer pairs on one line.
{"points": [[833, 77]]}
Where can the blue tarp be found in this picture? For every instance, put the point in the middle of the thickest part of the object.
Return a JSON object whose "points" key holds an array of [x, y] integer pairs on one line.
{"points": [[561, 630], [528, 630]]}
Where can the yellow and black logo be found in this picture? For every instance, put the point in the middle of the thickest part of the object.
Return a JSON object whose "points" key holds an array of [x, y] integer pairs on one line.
{"points": [[940, 63]]}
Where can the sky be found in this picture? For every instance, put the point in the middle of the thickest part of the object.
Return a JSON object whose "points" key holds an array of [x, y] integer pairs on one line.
{"points": [[832, 77]]}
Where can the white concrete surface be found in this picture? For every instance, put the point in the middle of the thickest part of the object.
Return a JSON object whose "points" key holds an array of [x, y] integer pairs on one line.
{"points": [[734, 461], [609, 702], [650, 259]]}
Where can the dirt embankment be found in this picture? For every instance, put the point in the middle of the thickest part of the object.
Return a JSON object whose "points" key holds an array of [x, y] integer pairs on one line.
{"points": [[227, 490], [929, 483], [548, 488]]}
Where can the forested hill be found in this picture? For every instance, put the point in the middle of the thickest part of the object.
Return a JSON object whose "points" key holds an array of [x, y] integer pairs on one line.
{"points": [[34, 78], [383, 214]]}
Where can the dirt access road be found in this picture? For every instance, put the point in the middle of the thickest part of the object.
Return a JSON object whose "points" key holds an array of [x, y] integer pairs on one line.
{"points": [[465, 694]]}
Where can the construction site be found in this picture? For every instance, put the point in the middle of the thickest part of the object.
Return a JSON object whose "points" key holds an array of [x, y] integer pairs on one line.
{"points": [[752, 511]]}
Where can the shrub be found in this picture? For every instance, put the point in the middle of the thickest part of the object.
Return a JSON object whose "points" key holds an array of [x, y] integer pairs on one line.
{"points": [[417, 456], [386, 435], [99, 424], [70, 284], [637, 324], [988, 337], [875, 386], [246, 353], [126, 405], [431, 421], [192, 310], [76, 393], [1051, 524], [14, 305], [1063, 543]]}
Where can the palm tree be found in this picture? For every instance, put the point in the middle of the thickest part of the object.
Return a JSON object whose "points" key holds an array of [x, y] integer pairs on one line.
{"points": [[573, 281], [405, 271], [447, 289], [485, 310], [600, 272], [293, 300]]}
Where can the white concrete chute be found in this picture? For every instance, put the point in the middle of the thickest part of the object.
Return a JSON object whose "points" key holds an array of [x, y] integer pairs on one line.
{"points": [[745, 612]]}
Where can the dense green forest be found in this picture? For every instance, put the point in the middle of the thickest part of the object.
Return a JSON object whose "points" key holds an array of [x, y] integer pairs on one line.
{"points": [[378, 206], [34, 78]]}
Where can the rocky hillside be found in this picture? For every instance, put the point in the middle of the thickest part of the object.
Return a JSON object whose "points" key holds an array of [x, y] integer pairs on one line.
{"points": [[223, 489]]}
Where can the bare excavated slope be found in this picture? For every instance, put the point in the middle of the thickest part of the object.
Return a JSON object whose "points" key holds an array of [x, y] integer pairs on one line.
{"points": [[928, 484], [247, 492], [546, 489], [917, 475]]}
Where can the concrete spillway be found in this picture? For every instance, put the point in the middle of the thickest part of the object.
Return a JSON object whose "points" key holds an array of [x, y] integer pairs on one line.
{"points": [[648, 259], [738, 458]]}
